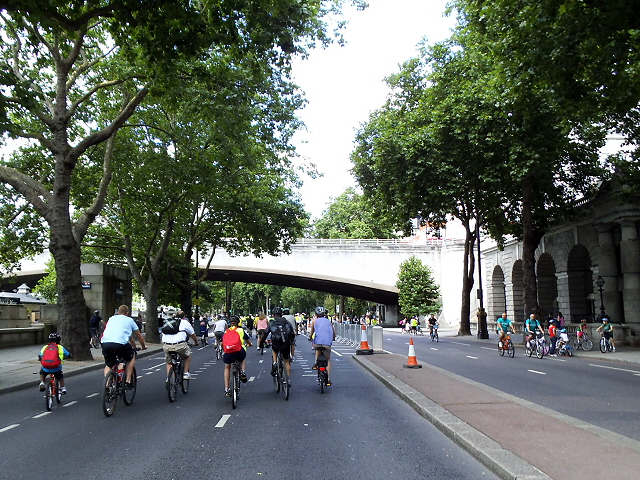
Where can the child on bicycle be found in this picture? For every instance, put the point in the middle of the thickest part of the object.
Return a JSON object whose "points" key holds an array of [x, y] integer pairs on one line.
{"points": [[606, 330], [51, 357], [583, 328]]}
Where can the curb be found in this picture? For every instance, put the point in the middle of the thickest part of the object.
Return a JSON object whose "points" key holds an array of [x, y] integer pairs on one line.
{"points": [[504, 463]]}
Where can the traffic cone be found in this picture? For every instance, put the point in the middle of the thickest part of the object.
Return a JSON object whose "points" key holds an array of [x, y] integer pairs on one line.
{"points": [[364, 344], [412, 362]]}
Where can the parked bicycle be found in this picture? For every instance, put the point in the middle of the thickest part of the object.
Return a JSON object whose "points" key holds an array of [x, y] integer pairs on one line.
{"points": [[52, 391], [434, 333], [506, 346], [234, 383], [583, 342], [114, 386], [281, 378], [323, 375], [176, 377]]}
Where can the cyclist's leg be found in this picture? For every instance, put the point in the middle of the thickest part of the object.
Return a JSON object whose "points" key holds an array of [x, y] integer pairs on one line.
{"points": [[167, 356], [227, 375], [274, 360]]}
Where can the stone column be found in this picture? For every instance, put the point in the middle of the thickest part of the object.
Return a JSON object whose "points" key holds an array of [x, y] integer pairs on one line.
{"points": [[564, 302], [608, 270], [630, 261]]}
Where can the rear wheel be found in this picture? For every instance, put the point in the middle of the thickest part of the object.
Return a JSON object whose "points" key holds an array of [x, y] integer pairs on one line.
{"points": [[234, 390], [528, 350], [323, 380], [95, 341], [184, 382], [58, 391], [109, 394], [609, 346], [172, 385], [587, 345], [48, 397], [285, 383], [129, 395]]}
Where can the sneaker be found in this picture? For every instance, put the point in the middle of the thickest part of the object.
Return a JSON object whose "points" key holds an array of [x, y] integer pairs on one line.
{"points": [[315, 366], [63, 390], [243, 377], [328, 383], [186, 375], [128, 386], [41, 386], [227, 392], [614, 349]]}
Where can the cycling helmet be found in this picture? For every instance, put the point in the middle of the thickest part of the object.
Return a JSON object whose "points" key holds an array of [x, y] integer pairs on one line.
{"points": [[605, 319], [54, 337], [97, 312], [286, 311], [564, 330], [584, 320], [234, 319], [321, 311], [277, 312]]}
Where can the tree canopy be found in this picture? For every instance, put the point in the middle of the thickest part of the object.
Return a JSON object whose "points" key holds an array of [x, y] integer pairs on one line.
{"points": [[418, 294]]}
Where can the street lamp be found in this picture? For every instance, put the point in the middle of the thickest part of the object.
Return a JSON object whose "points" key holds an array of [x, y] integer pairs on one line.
{"points": [[600, 284]]}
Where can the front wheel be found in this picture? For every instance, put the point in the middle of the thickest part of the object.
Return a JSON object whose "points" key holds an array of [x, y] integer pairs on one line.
{"points": [[184, 382], [285, 383], [95, 341], [511, 350], [58, 391], [501, 349], [48, 397], [234, 390], [603, 345], [528, 350], [130, 394], [109, 394], [540, 351], [172, 385]]}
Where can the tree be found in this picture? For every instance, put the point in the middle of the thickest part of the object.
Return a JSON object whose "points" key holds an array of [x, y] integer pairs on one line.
{"points": [[301, 300], [349, 216], [74, 72], [418, 293]]}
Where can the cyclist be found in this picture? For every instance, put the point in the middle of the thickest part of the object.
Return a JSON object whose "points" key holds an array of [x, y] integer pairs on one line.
{"points": [[531, 326], [583, 328], [282, 340], [62, 353], [204, 330], [94, 323], [261, 326], [431, 322], [414, 325], [286, 313], [241, 356], [218, 329], [178, 342], [117, 340], [323, 333], [606, 330], [504, 324]]}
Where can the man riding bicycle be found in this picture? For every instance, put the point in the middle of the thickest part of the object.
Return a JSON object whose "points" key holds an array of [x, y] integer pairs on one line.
{"points": [[323, 333], [504, 325], [531, 326], [606, 331], [431, 322], [218, 329], [175, 339], [94, 323], [282, 336]]}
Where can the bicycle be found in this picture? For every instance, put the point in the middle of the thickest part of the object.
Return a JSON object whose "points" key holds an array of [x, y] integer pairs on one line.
{"points": [[537, 345], [281, 378], [434, 333], [114, 386], [506, 346], [95, 340], [176, 377], [234, 383], [583, 342], [52, 391], [605, 344], [323, 375], [218, 348]]}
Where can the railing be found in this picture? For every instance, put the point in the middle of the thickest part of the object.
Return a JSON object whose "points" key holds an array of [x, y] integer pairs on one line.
{"points": [[379, 241]]}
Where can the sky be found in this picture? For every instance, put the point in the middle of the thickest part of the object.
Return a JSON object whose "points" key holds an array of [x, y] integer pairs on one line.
{"points": [[343, 85]]}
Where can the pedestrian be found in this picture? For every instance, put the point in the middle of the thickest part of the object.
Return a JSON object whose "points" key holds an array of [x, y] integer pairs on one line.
{"points": [[553, 337]]}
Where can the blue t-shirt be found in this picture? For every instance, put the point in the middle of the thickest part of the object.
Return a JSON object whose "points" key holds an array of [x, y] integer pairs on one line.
{"points": [[533, 324], [323, 331], [504, 323], [119, 329]]}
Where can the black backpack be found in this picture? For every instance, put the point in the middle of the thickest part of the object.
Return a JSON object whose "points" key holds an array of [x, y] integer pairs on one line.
{"points": [[280, 331], [171, 326]]}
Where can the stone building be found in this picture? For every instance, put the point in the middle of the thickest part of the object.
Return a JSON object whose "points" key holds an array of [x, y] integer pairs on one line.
{"points": [[601, 246]]}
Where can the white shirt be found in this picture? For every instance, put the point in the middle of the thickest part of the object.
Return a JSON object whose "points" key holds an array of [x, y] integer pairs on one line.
{"points": [[221, 325], [185, 330]]}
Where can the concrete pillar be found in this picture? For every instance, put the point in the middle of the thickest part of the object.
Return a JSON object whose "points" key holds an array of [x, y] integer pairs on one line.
{"points": [[608, 270], [564, 303], [376, 341], [630, 262], [391, 315]]}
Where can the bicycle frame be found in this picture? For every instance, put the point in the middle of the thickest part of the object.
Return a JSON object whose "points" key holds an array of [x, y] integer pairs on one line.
{"points": [[114, 386], [52, 391], [234, 381]]}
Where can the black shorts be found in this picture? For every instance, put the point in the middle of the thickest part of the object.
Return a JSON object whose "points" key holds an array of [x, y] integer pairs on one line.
{"points": [[111, 352], [229, 358], [59, 375], [284, 348]]}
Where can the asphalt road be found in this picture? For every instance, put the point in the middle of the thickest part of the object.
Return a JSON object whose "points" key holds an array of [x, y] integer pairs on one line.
{"points": [[358, 429], [606, 394]]}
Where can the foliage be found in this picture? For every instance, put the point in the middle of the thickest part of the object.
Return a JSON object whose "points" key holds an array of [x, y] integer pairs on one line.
{"points": [[301, 300], [418, 294], [46, 286]]}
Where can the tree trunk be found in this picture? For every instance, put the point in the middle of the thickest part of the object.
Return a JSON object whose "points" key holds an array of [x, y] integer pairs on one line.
{"points": [[151, 297], [530, 241], [467, 280]]}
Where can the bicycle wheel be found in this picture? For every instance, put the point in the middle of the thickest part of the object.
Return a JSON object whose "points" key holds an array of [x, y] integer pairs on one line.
{"points": [[95, 341], [172, 384], [184, 382], [603, 345], [609, 346], [436, 336], [129, 395], [587, 345], [501, 349], [48, 396], [528, 350], [58, 392], [277, 379], [285, 383], [431, 335], [511, 350], [323, 380], [234, 389], [109, 394], [539, 351]]}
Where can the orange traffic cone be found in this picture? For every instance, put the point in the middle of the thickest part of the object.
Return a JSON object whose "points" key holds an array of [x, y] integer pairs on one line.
{"points": [[412, 362], [364, 344]]}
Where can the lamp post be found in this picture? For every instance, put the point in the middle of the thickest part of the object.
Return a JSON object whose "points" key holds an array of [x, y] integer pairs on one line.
{"points": [[483, 332], [600, 284]]}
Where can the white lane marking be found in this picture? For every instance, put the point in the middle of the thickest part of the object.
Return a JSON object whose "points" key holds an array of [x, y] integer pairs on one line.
{"points": [[155, 366], [9, 427], [222, 421], [41, 415], [432, 348], [487, 348], [465, 344], [469, 356], [92, 395], [148, 373], [260, 361], [337, 353], [615, 368], [251, 379], [535, 371], [70, 403], [314, 375]]}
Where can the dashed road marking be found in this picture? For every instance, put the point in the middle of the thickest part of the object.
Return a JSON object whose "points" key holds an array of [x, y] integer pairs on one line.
{"points": [[92, 395], [615, 368], [40, 415], [535, 371], [465, 344], [9, 427], [70, 403], [222, 421], [155, 366], [469, 356]]}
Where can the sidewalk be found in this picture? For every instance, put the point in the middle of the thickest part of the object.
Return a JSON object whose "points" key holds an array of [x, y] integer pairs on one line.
{"points": [[513, 437], [19, 366]]}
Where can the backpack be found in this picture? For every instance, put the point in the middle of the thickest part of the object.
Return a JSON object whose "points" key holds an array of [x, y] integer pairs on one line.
{"points": [[231, 342], [171, 326], [51, 357], [279, 332]]}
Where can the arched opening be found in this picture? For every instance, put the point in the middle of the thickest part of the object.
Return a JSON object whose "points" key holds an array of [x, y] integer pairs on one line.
{"points": [[580, 283], [547, 285], [518, 291], [498, 296]]}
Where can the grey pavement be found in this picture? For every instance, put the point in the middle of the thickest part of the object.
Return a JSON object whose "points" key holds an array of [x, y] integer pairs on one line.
{"points": [[513, 437]]}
